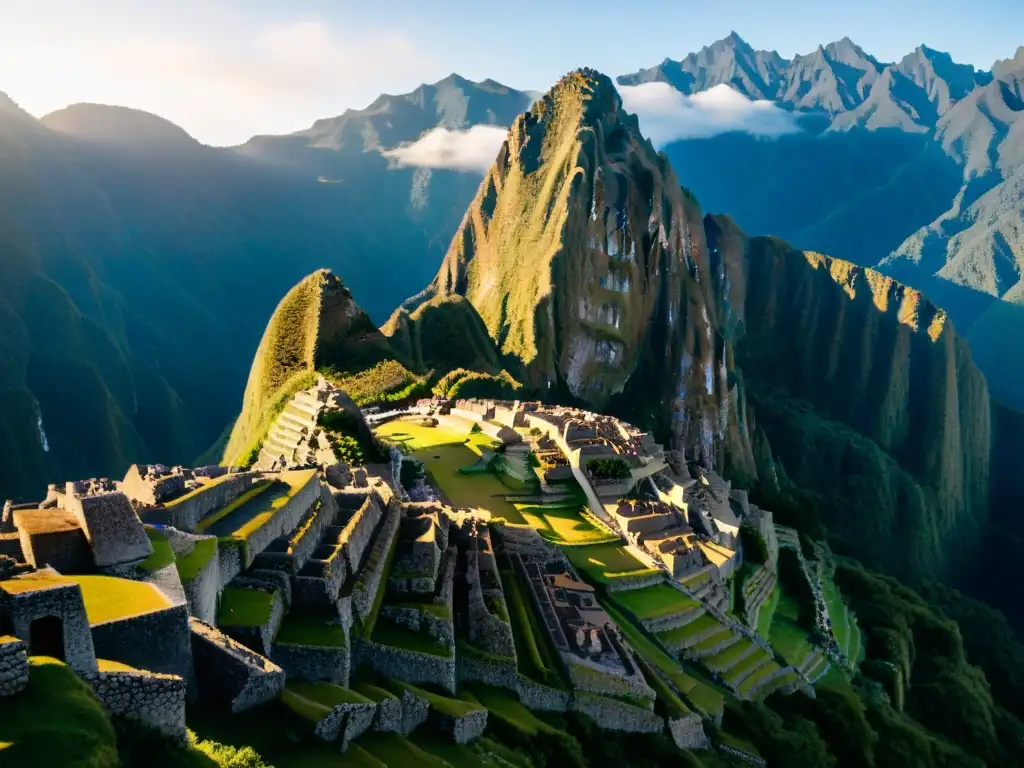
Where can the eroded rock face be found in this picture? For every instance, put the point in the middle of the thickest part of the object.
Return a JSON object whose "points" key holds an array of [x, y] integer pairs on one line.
{"points": [[587, 262], [595, 270]]}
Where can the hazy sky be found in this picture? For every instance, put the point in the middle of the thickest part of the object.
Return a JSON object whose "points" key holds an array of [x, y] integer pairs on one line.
{"points": [[227, 69]]}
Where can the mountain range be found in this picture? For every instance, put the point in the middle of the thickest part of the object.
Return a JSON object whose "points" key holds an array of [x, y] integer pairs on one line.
{"points": [[161, 257]]}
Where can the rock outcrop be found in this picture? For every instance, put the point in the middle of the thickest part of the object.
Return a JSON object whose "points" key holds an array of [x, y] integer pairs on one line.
{"points": [[594, 270]]}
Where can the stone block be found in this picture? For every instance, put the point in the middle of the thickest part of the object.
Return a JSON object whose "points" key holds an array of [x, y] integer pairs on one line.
{"points": [[415, 711], [461, 728], [154, 699], [158, 641], [228, 671], [13, 665], [111, 526], [52, 537]]}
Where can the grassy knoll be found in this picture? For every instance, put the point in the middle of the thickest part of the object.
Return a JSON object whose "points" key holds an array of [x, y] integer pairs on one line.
{"points": [[309, 626], [244, 607], [504, 704], [106, 665], [703, 696], [654, 601], [387, 382], [162, 555], [564, 524], [314, 700], [481, 753], [193, 563], [55, 721], [606, 562]]}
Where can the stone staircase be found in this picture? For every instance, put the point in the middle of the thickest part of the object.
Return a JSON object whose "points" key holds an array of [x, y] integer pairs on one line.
{"points": [[293, 439], [756, 591]]}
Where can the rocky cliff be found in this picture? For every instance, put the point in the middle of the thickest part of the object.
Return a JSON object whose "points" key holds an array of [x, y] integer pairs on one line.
{"points": [[317, 326], [594, 269]]}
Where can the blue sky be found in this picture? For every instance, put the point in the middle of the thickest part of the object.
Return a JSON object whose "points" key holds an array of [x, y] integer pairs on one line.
{"points": [[226, 69]]}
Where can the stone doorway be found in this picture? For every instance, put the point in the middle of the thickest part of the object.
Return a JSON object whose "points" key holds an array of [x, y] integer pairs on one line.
{"points": [[46, 637]]}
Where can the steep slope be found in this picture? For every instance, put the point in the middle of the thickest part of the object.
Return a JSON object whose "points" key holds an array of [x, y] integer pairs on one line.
{"points": [[413, 208], [316, 327], [593, 269]]}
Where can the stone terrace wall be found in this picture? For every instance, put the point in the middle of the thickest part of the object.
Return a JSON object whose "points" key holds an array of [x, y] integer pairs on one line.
{"points": [[186, 511], [358, 533], [156, 700], [202, 591], [226, 669], [409, 666], [229, 563], [306, 662], [688, 732], [542, 698], [477, 667], [365, 590], [13, 666], [284, 519], [616, 715], [157, 641], [260, 637]]}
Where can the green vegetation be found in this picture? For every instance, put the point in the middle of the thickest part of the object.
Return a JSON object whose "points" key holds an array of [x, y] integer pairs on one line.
{"points": [[841, 621], [605, 562], [387, 382], [394, 750], [767, 613], [704, 697], [243, 520], [162, 555], [532, 653], [108, 598], [244, 607], [309, 626], [476, 490], [703, 623], [411, 436], [55, 721], [443, 704], [315, 700], [565, 524], [754, 548], [257, 489], [461, 383], [654, 601], [387, 632], [190, 565], [609, 469]]}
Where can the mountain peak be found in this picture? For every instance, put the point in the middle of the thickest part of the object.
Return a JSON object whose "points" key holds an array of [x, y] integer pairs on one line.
{"points": [[113, 124]]}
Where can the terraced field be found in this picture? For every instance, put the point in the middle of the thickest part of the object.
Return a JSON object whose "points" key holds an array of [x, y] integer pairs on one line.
{"points": [[656, 601], [606, 562], [564, 524]]}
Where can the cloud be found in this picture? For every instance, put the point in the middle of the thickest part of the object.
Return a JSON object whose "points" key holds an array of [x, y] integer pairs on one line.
{"points": [[222, 80], [667, 115], [470, 150]]}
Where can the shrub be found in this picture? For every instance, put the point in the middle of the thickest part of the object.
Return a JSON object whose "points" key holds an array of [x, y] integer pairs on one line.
{"points": [[609, 469], [754, 548]]}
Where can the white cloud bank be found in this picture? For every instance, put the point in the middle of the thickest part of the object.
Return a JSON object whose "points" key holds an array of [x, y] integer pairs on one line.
{"points": [[667, 115], [471, 150]]}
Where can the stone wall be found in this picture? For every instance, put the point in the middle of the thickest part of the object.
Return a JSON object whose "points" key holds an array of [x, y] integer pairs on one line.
{"points": [[462, 728], [415, 711], [63, 601], [542, 698], [157, 642], [153, 699], [227, 670], [345, 722], [358, 533], [616, 715], [186, 511], [114, 531], [284, 519], [365, 590], [746, 757], [306, 662], [13, 666], [229, 563], [585, 677], [688, 732], [260, 637], [202, 591], [441, 629], [625, 583], [477, 667], [410, 666]]}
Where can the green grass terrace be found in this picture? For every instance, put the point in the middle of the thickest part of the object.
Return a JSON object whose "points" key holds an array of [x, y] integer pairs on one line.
{"points": [[606, 562], [565, 524], [254, 508], [655, 601]]}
